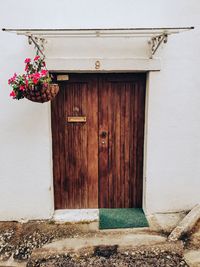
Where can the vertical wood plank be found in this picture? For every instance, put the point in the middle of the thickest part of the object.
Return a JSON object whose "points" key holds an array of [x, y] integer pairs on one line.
{"points": [[103, 144], [57, 125], [122, 191], [92, 143]]}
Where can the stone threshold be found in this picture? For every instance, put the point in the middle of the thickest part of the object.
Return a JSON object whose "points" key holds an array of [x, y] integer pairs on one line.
{"points": [[76, 215]]}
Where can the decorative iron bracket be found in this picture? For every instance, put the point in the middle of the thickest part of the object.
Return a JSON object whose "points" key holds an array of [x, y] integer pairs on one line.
{"points": [[156, 41], [39, 44]]}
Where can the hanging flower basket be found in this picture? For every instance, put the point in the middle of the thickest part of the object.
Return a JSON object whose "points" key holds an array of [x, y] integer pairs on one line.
{"points": [[36, 84], [41, 93]]}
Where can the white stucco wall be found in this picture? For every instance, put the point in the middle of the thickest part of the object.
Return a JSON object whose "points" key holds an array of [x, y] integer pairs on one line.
{"points": [[172, 168]]}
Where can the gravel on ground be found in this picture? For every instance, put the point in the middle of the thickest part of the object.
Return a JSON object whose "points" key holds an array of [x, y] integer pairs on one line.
{"points": [[20, 239], [127, 259]]}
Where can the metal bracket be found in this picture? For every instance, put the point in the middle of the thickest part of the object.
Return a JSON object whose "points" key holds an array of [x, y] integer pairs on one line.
{"points": [[38, 42], [156, 41]]}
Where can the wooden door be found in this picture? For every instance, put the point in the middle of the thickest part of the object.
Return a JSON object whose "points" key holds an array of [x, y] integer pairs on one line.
{"points": [[121, 138], [99, 163], [75, 145]]}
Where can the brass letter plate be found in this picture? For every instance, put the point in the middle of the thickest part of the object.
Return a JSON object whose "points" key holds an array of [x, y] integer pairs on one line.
{"points": [[76, 119], [62, 77]]}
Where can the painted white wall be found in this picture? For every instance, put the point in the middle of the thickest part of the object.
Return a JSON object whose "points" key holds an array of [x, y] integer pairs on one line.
{"points": [[173, 147]]}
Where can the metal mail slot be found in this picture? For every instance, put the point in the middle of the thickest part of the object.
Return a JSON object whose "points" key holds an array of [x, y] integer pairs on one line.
{"points": [[76, 119]]}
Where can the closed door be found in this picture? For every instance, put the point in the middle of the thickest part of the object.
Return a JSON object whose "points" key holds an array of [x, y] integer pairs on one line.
{"points": [[98, 136]]}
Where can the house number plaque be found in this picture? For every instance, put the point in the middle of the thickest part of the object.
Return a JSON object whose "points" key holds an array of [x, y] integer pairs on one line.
{"points": [[76, 119]]}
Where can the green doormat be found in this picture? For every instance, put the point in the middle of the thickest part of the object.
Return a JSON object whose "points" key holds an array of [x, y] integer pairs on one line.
{"points": [[122, 218]]}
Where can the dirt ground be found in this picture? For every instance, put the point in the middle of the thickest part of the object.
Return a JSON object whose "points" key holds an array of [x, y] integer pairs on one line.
{"points": [[18, 240]]}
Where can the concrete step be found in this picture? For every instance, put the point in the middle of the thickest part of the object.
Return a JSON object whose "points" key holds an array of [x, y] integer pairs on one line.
{"points": [[110, 240], [12, 263], [192, 257]]}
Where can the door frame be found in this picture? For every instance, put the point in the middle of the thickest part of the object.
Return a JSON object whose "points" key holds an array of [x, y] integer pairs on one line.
{"points": [[91, 214]]}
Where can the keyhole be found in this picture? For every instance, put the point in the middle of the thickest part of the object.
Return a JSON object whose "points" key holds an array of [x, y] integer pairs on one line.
{"points": [[103, 134]]}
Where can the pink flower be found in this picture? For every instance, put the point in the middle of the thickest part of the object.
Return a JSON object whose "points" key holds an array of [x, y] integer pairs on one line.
{"points": [[45, 84], [26, 68], [36, 58], [35, 81], [27, 60], [11, 80], [22, 87], [44, 72], [12, 94], [36, 75]]}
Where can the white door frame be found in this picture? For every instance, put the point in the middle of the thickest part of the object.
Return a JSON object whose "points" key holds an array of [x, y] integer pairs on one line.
{"points": [[106, 65]]}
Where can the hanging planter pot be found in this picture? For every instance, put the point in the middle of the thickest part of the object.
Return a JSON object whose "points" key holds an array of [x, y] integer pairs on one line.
{"points": [[36, 84], [41, 93]]}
